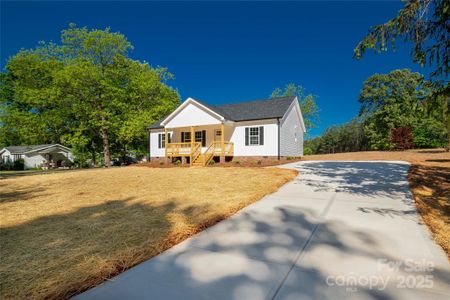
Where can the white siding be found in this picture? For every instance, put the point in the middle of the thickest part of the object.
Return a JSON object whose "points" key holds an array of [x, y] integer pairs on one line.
{"points": [[154, 150], [270, 147], [291, 132], [33, 160], [6, 156], [192, 115]]}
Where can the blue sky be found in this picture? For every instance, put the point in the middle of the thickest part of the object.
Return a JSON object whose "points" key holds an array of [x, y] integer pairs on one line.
{"points": [[227, 52]]}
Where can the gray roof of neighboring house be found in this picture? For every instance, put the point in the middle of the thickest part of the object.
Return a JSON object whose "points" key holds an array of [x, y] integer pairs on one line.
{"points": [[23, 149], [246, 111]]}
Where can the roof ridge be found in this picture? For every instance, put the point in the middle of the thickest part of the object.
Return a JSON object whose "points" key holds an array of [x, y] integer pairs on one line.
{"points": [[255, 100]]}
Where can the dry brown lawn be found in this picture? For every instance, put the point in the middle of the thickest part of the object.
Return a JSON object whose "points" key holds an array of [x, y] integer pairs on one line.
{"points": [[429, 178], [62, 233]]}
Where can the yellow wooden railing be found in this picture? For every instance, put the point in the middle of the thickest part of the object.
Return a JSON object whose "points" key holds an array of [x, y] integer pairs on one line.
{"points": [[215, 148], [174, 149], [209, 153], [228, 148], [196, 152]]}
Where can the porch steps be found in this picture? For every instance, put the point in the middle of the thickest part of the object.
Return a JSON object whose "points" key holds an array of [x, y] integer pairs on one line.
{"points": [[198, 162]]}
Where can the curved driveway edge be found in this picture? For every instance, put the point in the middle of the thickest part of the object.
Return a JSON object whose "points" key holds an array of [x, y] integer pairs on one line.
{"points": [[340, 230]]}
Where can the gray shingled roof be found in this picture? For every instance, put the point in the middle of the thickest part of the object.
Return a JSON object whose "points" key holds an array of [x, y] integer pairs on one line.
{"points": [[246, 111], [23, 149]]}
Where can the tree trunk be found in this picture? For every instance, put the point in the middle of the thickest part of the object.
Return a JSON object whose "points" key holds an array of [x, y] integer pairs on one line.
{"points": [[94, 159], [93, 153], [105, 138]]}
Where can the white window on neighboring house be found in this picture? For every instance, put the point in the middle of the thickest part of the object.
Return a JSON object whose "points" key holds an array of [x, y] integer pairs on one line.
{"points": [[254, 136]]}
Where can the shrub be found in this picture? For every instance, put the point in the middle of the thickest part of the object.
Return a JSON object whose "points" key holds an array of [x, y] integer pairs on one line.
{"points": [[237, 162], [161, 163], [178, 162], [259, 162], [82, 159], [19, 164], [402, 138], [307, 151], [7, 166], [212, 162], [429, 133]]}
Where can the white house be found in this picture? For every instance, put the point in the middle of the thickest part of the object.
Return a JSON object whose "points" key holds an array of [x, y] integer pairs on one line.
{"points": [[197, 132], [48, 155]]}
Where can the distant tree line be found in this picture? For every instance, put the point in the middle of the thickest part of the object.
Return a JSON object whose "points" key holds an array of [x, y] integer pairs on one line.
{"points": [[348, 137], [398, 110]]}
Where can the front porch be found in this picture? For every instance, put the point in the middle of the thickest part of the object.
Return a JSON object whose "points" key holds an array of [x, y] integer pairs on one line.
{"points": [[197, 145], [55, 158]]}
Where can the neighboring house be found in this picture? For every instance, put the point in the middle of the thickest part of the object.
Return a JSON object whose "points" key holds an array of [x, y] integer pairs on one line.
{"points": [[48, 155], [197, 132]]}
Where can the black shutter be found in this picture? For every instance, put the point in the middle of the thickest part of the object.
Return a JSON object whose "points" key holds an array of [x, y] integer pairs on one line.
{"points": [[246, 135], [182, 137], [203, 138], [261, 135], [159, 140], [170, 137]]}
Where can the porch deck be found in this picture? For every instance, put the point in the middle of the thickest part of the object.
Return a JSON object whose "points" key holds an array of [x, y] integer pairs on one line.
{"points": [[193, 150]]}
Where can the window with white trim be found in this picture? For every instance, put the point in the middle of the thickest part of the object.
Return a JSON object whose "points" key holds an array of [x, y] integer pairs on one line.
{"points": [[162, 139], [254, 136]]}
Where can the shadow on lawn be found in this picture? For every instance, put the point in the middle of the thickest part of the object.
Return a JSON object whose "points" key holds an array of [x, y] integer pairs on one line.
{"points": [[429, 184], [82, 248], [18, 195]]}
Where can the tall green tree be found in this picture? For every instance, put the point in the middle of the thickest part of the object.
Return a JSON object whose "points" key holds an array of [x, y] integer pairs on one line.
{"points": [[28, 107], [423, 22], [86, 92], [398, 99], [308, 103]]}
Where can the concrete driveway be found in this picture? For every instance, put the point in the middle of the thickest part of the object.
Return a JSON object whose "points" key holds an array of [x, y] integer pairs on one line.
{"points": [[340, 230]]}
